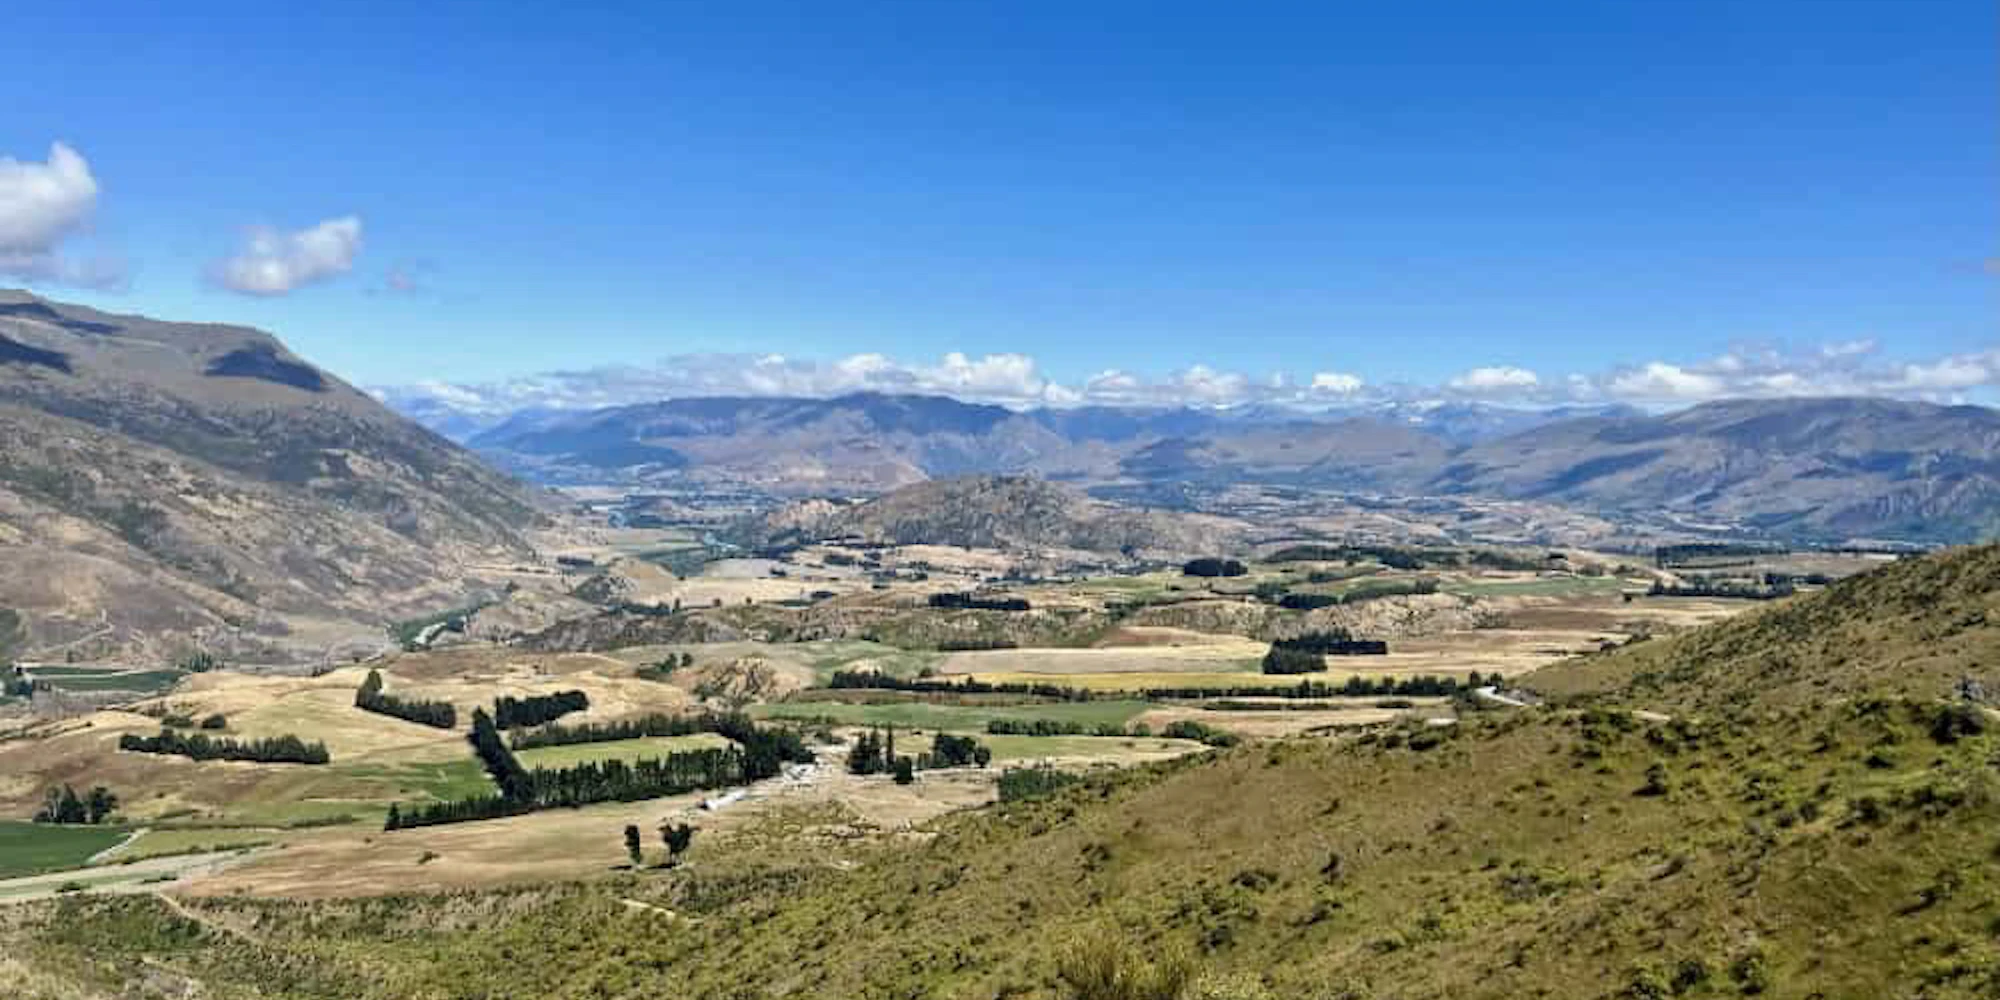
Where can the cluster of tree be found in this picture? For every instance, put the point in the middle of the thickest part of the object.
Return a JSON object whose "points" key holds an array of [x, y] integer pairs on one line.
{"points": [[1333, 642], [1284, 660], [956, 751], [19, 684], [1188, 729], [1713, 553], [1026, 784], [971, 602], [286, 749], [1213, 567], [215, 721], [369, 698], [63, 805], [1755, 590], [766, 750], [510, 712], [665, 667], [874, 752]]}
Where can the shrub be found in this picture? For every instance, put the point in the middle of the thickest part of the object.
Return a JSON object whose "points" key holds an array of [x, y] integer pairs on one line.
{"points": [[1026, 784], [1101, 968]]}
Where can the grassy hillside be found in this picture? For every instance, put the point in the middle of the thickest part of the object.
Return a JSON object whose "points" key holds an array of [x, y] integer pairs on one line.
{"points": [[1803, 806], [1915, 629]]}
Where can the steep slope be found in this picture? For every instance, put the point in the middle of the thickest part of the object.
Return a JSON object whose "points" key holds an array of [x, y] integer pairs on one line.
{"points": [[168, 479], [1002, 512], [1799, 840], [1813, 467]]}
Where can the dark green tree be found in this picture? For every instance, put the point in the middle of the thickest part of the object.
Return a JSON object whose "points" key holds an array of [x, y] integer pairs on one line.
{"points": [[632, 843], [678, 837], [99, 804]]}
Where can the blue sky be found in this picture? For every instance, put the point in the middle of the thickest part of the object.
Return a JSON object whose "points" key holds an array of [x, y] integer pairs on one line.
{"points": [[1397, 193]]}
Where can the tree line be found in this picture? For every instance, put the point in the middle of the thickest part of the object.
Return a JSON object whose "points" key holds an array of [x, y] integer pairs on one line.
{"points": [[1213, 567], [370, 698], [758, 752], [556, 734], [1352, 687], [1723, 589], [286, 749], [969, 602], [510, 712], [1334, 642]]}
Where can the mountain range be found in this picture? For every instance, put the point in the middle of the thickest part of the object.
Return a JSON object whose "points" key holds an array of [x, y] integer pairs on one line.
{"points": [[1806, 468], [202, 480]]}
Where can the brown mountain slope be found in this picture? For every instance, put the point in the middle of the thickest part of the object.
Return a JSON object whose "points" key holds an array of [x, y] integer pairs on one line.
{"points": [[197, 479], [1826, 468], [1004, 512]]}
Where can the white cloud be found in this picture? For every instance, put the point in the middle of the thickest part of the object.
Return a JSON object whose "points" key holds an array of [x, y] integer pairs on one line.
{"points": [[1498, 379], [1952, 374], [1745, 370], [272, 262], [1657, 380], [42, 205], [1336, 383]]}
